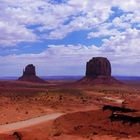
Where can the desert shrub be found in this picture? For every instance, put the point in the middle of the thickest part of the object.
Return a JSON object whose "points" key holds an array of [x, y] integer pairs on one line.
{"points": [[68, 91]]}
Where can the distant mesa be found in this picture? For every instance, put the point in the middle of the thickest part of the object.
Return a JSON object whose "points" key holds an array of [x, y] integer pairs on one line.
{"points": [[98, 71], [98, 66], [29, 75]]}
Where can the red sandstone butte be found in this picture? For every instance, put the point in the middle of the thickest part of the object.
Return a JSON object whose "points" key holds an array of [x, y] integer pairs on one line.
{"points": [[98, 71], [29, 75]]}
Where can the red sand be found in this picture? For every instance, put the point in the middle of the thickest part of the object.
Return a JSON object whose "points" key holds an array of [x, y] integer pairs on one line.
{"points": [[84, 119]]}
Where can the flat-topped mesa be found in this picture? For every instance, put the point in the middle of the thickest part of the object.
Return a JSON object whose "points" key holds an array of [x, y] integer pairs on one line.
{"points": [[29, 75], [98, 71], [98, 66]]}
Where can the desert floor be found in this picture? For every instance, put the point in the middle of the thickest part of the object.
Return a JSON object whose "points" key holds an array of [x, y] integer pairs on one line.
{"points": [[30, 111]]}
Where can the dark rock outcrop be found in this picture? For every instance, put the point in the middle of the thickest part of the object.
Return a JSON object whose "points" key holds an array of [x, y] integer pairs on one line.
{"points": [[98, 71], [18, 135], [29, 70], [98, 66], [29, 75], [118, 109]]}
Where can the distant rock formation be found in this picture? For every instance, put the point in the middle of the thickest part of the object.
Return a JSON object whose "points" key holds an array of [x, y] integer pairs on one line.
{"points": [[29, 70], [29, 75], [98, 71], [98, 66]]}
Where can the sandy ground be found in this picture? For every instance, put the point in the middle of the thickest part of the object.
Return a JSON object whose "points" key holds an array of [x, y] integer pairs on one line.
{"points": [[117, 100], [22, 101]]}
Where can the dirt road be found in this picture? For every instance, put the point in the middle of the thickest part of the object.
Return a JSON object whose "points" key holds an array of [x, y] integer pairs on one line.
{"points": [[27, 123]]}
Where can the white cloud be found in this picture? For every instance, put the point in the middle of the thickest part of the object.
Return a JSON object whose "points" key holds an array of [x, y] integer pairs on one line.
{"points": [[71, 60], [103, 33], [56, 21], [79, 14], [124, 42], [60, 19], [56, 60], [127, 5], [13, 34]]}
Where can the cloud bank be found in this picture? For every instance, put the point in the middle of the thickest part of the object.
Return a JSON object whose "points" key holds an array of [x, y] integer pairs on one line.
{"points": [[115, 23]]}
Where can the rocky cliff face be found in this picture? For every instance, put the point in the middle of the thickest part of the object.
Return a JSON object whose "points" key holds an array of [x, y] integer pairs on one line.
{"points": [[29, 70], [98, 71], [98, 66], [29, 75]]}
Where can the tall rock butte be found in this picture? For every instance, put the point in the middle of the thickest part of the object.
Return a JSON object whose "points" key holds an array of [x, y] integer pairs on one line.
{"points": [[98, 71], [98, 66], [29, 75]]}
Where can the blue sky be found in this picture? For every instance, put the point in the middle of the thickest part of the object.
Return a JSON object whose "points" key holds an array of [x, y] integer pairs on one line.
{"points": [[60, 36]]}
